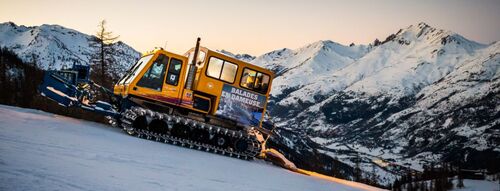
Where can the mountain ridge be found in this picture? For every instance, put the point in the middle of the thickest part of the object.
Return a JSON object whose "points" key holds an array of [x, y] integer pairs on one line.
{"points": [[54, 47]]}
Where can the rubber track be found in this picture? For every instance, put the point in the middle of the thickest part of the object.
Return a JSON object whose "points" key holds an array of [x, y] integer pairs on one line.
{"points": [[129, 115]]}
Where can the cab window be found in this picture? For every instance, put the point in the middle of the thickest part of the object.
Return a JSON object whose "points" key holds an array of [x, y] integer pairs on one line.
{"points": [[221, 69], [254, 80], [136, 69], [174, 71], [153, 78]]}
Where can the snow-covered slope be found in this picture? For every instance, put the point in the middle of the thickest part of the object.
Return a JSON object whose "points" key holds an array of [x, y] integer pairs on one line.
{"points": [[464, 104], [55, 47], [43, 151], [308, 64], [477, 185]]}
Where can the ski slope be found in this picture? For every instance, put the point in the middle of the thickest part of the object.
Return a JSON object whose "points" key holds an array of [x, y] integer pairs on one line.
{"points": [[44, 151]]}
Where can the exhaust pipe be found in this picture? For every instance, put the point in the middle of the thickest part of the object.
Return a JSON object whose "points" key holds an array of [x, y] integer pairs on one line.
{"points": [[192, 66]]}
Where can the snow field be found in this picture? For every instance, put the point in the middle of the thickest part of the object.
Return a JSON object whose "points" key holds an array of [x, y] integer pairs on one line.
{"points": [[43, 151]]}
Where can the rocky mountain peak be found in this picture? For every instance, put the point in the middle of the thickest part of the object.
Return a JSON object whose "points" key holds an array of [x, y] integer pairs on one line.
{"points": [[424, 33], [243, 57]]}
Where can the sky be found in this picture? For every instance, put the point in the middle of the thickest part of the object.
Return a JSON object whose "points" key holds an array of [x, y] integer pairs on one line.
{"points": [[257, 26]]}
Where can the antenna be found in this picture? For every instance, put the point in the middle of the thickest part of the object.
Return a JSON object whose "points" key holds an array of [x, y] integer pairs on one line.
{"points": [[165, 47]]}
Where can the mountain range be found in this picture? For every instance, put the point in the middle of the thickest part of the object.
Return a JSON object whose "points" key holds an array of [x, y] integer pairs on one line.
{"points": [[421, 96], [53, 47]]}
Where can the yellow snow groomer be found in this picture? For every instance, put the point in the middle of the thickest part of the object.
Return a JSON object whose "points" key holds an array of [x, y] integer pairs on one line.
{"points": [[202, 99]]}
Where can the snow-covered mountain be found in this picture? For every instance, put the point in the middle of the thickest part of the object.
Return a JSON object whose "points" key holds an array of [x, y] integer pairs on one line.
{"points": [[55, 47], [244, 57], [405, 62], [309, 64], [422, 95]]}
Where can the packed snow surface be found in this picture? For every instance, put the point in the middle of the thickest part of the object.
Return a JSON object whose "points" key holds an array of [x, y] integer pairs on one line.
{"points": [[43, 151], [478, 185]]}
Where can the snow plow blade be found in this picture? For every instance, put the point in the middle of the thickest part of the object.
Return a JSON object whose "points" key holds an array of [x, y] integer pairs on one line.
{"points": [[71, 88], [57, 88]]}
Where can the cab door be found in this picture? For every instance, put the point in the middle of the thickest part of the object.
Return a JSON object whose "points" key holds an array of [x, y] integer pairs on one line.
{"points": [[149, 83], [173, 85]]}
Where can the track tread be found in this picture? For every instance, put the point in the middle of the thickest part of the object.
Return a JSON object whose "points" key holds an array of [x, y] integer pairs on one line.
{"points": [[129, 115]]}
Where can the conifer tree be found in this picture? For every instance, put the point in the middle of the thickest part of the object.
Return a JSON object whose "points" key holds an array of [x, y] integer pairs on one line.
{"points": [[103, 43]]}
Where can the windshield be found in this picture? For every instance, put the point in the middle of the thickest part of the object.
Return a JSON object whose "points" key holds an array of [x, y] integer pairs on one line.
{"points": [[134, 71]]}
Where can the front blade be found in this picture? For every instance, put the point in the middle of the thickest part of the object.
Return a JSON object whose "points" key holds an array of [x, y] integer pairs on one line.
{"points": [[59, 89]]}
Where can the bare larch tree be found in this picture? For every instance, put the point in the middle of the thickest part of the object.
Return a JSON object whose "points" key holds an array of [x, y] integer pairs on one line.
{"points": [[103, 43]]}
